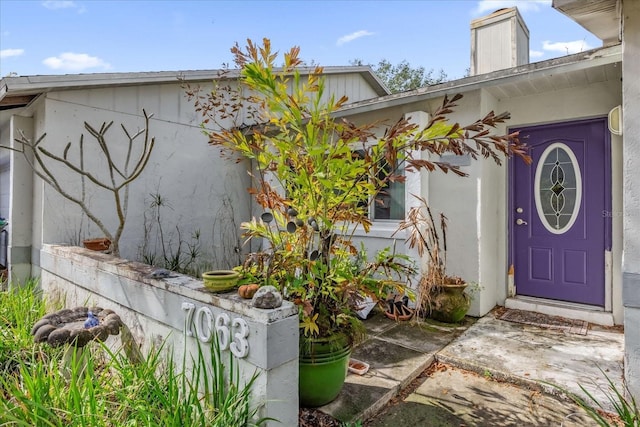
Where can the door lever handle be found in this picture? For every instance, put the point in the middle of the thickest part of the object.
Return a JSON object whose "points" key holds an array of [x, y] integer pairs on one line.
{"points": [[521, 221]]}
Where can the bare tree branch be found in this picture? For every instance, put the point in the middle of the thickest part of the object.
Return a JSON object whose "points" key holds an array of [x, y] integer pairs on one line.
{"points": [[118, 179]]}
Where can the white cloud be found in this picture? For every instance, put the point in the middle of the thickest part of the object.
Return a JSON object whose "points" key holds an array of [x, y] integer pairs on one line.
{"points": [[6, 53], [63, 4], [566, 48], [59, 4], [523, 5], [535, 54], [70, 61], [351, 37]]}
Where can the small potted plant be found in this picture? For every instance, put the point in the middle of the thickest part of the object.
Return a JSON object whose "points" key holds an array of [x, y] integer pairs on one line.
{"points": [[440, 295]]}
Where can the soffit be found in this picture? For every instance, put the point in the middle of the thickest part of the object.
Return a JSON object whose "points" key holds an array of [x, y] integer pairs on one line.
{"points": [[531, 84], [599, 17]]}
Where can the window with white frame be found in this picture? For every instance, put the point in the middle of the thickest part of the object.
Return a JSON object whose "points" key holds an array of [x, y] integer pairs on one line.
{"points": [[389, 203], [392, 202]]}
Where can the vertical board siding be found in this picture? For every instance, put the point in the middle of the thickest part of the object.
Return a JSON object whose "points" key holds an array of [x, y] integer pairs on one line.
{"points": [[489, 57], [522, 46], [352, 85]]}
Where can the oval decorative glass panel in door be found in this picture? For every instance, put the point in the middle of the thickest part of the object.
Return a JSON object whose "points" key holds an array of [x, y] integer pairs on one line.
{"points": [[558, 188]]}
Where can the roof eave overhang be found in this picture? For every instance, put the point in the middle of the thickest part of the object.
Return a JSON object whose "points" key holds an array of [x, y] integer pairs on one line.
{"points": [[602, 18], [14, 90], [567, 64], [34, 85]]}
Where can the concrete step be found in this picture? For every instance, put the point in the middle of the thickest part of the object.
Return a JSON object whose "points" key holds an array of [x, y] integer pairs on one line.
{"points": [[523, 359], [397, 353]]}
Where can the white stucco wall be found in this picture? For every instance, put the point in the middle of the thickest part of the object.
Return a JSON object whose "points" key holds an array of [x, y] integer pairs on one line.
{"points": [[203, 192], [4, 186], [20, 204], [631, 210], [476, 208], [5, 169], [458, 199], [5, 197], [493, 190]]}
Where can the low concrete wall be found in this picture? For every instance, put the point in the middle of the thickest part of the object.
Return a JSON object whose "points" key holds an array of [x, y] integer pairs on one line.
{"points": [[179, 312]]}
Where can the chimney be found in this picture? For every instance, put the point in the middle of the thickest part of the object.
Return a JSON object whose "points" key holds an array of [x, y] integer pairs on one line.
{"points": [[499, 41]]}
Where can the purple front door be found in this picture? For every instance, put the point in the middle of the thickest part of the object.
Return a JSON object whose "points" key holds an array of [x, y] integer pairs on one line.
{"points": [[559, 212]]}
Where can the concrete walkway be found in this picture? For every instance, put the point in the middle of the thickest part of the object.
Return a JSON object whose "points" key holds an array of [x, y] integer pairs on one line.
{"points": [[485, 373]]}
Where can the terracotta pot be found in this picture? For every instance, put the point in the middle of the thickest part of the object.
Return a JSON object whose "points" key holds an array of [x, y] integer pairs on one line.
{"points": [[99, 244], [403, 317]]}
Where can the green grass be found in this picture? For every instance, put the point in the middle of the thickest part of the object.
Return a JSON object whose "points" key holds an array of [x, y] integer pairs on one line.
{"points": [[104, 388], [20, 308]]}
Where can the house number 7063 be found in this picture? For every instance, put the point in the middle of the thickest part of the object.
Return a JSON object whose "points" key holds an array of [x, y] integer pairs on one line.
{"points": [[206, 325]]}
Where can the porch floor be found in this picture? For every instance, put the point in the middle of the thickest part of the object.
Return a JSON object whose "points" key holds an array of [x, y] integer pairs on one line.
{"points": [[484, 372]]}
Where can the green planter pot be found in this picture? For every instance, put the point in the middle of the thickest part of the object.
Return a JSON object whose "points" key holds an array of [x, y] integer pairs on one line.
{"points": [[220, 280], [322, 374], [451, 304]]}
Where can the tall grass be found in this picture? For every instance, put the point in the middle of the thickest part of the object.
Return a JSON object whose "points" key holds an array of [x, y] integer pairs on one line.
{"points": [[104, 388], [622, 401], [20, 308], [626, 410]]}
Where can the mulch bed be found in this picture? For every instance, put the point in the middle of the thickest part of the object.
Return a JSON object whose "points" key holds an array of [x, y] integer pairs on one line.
{"points": [[309, 417]]}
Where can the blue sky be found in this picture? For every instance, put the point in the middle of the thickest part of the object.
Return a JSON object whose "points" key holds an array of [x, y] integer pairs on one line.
{"points": [[69, 37]]}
